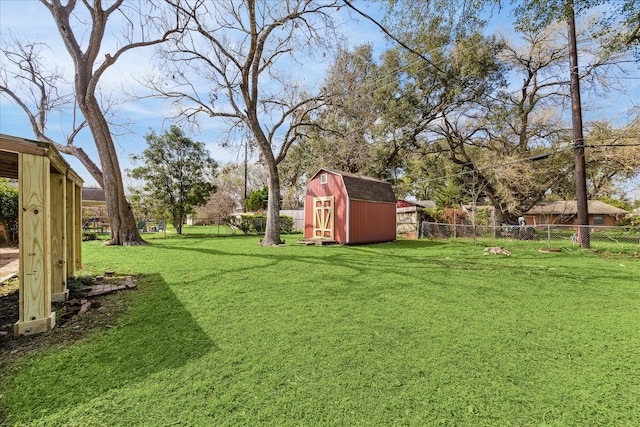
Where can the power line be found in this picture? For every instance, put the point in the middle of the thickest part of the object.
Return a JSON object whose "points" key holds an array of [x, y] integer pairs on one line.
{"points": [[607, 145], [384, 30], [418, 56]]}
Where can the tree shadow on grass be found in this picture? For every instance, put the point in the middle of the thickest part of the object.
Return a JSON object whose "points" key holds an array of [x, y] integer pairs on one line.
{"points": [[315, 256], [158, 334]]}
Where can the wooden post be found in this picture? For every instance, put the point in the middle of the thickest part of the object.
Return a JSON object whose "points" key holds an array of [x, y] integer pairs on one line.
{"points": [[35, 250], [78, 226], [70, 206], [58, 205]]}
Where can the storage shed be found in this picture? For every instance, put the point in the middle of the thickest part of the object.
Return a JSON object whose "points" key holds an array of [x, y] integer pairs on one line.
{"points": [[410, 215], [349, 209], [49, 227]]}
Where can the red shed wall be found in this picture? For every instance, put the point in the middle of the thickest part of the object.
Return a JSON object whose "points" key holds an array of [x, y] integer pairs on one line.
{"points": [[371, 222], [334, 187]]}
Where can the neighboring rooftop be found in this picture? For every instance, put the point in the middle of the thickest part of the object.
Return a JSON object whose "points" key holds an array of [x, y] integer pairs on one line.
{"points": [[567, 207], [426, 204], [93, 194]]}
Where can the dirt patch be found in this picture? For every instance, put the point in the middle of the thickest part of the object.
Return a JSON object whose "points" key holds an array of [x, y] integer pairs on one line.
{"points": [[9, 262], [102, 315], [550, 250]]}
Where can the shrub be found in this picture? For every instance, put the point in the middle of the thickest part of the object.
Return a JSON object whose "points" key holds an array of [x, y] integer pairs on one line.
{"points": [[256, 224], [286, 224], [9, 208], [257, 200], [632, 221], [447, 215], [248, 224]]}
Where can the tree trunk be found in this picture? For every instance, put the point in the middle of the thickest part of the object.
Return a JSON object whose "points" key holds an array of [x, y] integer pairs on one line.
{"points": [[272, 232], [124, 230], [177, 224], [272, 229]]}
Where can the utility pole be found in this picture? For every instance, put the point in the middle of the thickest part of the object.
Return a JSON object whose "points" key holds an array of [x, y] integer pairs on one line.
{"points": [[246, 145], [578, 139]]}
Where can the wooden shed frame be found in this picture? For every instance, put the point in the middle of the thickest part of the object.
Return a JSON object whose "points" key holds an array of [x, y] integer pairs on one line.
{"points": [[49, 227]]}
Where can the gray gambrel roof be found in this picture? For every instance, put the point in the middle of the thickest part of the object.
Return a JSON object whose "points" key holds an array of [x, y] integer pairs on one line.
{"points": [[569, 207], [360, 187]]}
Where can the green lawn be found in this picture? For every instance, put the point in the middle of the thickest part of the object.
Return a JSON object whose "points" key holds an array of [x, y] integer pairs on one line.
{"points": [[223, 332]]}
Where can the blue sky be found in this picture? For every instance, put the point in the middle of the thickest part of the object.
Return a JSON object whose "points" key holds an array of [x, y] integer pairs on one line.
{"points": [[30, 21]]}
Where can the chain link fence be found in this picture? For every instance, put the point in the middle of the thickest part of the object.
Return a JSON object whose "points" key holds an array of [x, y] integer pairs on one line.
{"points": [[552, 235]]}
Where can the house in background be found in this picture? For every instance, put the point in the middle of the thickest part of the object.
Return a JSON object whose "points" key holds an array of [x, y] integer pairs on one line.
{"points": [[565, 212], [349, 208], [200, 217], [94, 210]]}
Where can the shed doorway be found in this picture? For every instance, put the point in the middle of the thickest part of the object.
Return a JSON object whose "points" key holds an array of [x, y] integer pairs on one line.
{"points": [[323, 217]]}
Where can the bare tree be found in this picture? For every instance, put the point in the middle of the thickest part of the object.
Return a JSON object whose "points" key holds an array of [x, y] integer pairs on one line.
{"points": [[613, 157], [220, 205], [239, 180], [519, 124], [36, 87], [92, 20], [239, 49]]}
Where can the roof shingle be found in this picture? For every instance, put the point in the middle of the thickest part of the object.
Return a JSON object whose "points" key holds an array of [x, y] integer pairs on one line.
{"points": [[360, 187], [569, 207]]}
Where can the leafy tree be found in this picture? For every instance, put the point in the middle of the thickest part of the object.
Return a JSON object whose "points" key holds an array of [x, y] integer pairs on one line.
{"points": [[450, 68], [239, 48], [617, 30], [341, 135], [9, 207], [257, 200], [177, 172], [618, 203], [496, 133], [377, 118]]}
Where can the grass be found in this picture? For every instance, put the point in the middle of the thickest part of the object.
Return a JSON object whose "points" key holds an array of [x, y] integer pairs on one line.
{"points": [[224, 332]]}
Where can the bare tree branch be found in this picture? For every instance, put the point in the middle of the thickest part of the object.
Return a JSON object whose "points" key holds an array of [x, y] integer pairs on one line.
{"points": [[234, 50]]}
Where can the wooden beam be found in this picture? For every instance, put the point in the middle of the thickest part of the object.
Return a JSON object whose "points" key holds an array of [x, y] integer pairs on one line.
{"points": [[58, 206], [58, 163], [77, 228], [12, 145], [21, 145], [73, 176], [34, 218], [70, 219], [8, 164]]}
